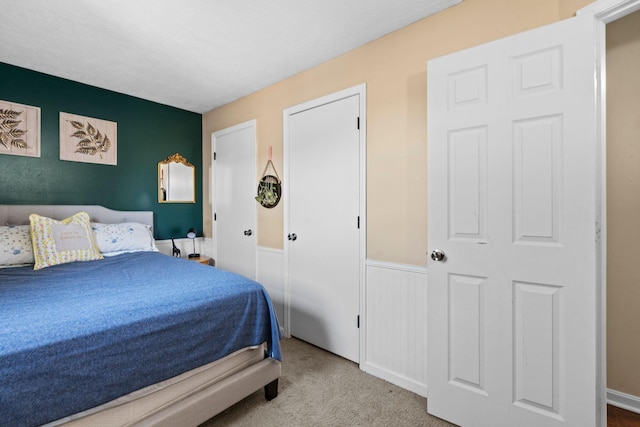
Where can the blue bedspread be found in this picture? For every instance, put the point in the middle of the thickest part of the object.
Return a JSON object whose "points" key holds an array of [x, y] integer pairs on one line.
{"points": [[77, 335]]}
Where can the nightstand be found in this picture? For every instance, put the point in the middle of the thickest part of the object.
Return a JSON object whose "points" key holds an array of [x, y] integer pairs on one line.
{"points": [[202, 260]]}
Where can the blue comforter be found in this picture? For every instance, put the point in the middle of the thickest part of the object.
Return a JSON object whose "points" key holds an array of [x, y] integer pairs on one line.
{"points": [[77, 335]]}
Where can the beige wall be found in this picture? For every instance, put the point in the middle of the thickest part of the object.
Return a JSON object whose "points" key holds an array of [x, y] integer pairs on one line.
{"points": [[394, 69], [623, 204]]}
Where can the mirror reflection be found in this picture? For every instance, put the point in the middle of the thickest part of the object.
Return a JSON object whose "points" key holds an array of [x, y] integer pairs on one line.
{"points": [[176, 180]]}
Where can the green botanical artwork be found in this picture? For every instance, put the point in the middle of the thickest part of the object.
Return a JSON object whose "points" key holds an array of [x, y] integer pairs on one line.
{"points": [[19, 129], [92, 141], [10, 135], [87, 139]]}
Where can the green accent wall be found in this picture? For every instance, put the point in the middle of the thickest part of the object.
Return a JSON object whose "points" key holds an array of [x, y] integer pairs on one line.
{"points": [[148, 132]]}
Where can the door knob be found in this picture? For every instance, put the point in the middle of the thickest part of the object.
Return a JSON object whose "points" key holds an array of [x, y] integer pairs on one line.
{"points": [[248, 232], [292, 236], [437, 255]]}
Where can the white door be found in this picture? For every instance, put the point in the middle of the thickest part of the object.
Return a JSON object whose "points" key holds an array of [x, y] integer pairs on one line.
{"points": [[323, 245], [234, 203], [512, 307]]}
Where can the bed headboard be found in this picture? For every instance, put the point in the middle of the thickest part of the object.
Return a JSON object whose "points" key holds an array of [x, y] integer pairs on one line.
{"points": [[19, 214]]}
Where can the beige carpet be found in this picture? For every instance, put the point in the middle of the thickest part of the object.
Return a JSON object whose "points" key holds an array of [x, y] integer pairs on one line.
{"points": [[318, 388]]}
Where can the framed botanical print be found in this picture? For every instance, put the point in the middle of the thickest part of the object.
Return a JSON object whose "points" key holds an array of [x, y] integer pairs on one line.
{"points": [[89, 140], [19, 129]]}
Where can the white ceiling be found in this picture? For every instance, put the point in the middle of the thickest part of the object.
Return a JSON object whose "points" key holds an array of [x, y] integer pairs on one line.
{"points": [[193, 54]]}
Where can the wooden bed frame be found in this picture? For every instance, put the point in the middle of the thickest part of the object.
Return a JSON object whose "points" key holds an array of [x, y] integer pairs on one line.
{"points": [[186, 400]]}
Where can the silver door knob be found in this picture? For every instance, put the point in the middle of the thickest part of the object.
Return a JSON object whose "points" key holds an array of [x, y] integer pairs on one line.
{"points": [[248, 233], [437, 255], [292, 236]]}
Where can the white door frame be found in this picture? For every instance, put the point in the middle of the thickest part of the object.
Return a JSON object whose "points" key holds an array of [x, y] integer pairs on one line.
{"points": [[214, 226], [286, 114], [604, 12]]}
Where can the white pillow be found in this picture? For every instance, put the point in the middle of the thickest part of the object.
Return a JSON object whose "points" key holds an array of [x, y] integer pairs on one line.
{"points": [[15, 246], [116, 239]]}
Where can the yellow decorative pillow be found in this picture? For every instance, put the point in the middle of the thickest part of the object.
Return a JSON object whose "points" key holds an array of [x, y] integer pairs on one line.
{"points": [[58, 242]]}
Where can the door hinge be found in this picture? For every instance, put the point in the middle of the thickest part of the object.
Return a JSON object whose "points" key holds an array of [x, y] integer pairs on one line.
{"points": [[358, 222], [215, 155], [215, 216], [358, 321], [358, 123]]}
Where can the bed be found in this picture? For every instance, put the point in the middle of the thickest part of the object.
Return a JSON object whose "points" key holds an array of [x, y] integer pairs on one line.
{"points": [[135, 338]]}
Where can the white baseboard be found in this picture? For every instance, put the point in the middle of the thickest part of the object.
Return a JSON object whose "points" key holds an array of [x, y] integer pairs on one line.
{"points": [[395, 378], [623, 400]]}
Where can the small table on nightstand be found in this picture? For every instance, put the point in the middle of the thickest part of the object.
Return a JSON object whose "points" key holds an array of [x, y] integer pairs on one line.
{"points": [[202, 260]]}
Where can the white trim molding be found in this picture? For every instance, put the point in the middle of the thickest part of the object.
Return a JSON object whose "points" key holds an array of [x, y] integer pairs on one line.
{"points": [[610, 10], [603, 12], [623, 400], [395, 266]]}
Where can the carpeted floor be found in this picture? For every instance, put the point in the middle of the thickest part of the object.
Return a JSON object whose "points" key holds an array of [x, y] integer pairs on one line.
{"points": [[318, 388]]}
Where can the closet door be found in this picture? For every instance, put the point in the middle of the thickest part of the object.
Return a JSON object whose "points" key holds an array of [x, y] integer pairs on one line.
{"points": [[234, 205], [322, 242]]}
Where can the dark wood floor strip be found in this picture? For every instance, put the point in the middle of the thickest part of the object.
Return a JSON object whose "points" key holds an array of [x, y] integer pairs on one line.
{"points": [[617, 417]]}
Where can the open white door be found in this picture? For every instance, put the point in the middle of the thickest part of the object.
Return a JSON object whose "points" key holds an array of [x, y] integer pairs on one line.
{"points": [[512, 205]]}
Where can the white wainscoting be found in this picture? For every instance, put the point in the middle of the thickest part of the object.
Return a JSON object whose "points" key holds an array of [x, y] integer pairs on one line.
{"points": [[623, 400], [204, 246], [185, 245], [270, 273], [395, 318], [396, 324]]}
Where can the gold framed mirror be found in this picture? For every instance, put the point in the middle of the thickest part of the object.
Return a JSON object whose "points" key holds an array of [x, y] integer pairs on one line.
{"points": [[176, 180]]}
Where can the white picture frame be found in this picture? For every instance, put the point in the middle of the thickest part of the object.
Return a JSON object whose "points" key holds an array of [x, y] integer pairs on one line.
{"points": [[88, 140], [19, 129]]}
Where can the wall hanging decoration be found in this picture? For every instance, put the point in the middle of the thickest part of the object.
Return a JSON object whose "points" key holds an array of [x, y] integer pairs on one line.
{"points": [[269, 187], [89, 140], [19, 129]]}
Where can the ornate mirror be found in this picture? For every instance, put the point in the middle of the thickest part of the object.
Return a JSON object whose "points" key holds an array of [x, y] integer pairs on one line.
{"points": [[176, 180]]}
